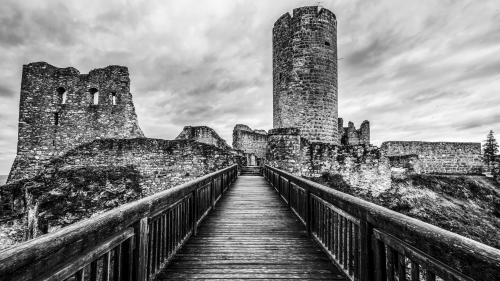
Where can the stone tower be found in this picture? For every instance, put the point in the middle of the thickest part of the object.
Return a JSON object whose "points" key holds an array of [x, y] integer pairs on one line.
{"points": [[305, 73], [60, 108]]}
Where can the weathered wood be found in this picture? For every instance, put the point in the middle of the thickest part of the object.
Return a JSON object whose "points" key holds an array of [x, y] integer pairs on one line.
{"points": [[466, 256], [141, 230], [41, 256], [72, 266], [251, 235]]}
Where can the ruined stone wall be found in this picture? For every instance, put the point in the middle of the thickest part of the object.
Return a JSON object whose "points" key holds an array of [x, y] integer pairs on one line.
{"points": [[161, 163], [351, 136], [405, 164], [57, 112], [362, 167], [106, 173], [250, 141], [305, 73], [203, 134], [439, 157]]}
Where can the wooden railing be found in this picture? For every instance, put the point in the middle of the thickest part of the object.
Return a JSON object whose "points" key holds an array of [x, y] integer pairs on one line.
{"points": [[369, 242], [132, 242]]}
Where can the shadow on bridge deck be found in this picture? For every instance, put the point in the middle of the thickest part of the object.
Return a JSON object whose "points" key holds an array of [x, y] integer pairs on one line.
{"points": [[251, 235]]}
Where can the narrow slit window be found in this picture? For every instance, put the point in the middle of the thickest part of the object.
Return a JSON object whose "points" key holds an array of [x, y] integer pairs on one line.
{"points": [[94, 94], [56, 118], [113, 98], [61, 93]]}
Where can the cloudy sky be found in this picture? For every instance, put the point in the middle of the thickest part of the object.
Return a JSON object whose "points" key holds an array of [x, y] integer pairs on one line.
{"points": [[418, 70]]}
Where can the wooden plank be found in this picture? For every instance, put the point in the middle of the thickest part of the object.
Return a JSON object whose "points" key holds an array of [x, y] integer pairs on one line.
{"points": [[251, 235]]}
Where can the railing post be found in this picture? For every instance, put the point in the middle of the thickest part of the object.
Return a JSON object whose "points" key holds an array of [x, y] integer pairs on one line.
{"points": [[212, 193], [141, 250], [194, 211], [309, 212], [366, 264]]}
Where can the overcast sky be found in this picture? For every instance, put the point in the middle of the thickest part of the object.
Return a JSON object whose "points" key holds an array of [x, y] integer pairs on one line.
{"points": [[418, 70]]}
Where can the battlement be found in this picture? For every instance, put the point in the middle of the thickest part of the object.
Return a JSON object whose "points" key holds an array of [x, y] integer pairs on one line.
{"points": [[307, 11], [351, 136], [60, 108]]}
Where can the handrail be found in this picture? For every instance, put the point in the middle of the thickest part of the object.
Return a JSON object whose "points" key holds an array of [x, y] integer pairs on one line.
{"points": [[370, 242], [131, 242]]}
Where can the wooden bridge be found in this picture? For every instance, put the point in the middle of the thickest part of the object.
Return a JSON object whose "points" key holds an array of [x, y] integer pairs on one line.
{"points": [[275, 226]]}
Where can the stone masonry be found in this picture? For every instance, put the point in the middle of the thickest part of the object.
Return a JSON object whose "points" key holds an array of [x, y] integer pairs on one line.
{"points": [[61, 108], [439, 157], [253, 143], [305, 73], [203, 134], [350, 136]]}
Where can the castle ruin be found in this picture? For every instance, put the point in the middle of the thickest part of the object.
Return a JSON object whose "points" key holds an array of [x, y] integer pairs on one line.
{"points": [[76, 122], [60, 109]]}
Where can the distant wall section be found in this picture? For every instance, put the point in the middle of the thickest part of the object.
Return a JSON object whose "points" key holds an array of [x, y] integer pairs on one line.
{"points": [[438, 157], [253, 143], [203, 134]]}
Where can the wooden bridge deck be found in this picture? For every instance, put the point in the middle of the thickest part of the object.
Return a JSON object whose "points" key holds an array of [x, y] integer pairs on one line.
{"points": [[251, 235]]}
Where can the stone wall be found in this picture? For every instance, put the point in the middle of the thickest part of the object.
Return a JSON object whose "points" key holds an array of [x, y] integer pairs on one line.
{"points": [[203, 134], [253, 143], [60, 108], [439, 157], [284, 150], [305, 73], [362, 167], [402, 165], [106, 173], [351, 136]]}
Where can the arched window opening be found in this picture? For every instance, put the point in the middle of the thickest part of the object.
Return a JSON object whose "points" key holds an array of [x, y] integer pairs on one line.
{"points": [[113, 98], [94, 93], [56, 118], [61, 94]]}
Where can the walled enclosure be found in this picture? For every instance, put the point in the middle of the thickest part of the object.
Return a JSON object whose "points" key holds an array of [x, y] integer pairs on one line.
{"points": [[60, 108], [203, 134], [305, 73], [253, 143], [439, 157], [362, 167]]}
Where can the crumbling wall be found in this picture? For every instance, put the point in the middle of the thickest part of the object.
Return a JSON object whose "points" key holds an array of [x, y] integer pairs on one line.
{"points": [[402, 165], [439, 157], [203, 134], [305, 73], [106, 173], [362, 167], [250, 142], [60, 108], [351, 136]]}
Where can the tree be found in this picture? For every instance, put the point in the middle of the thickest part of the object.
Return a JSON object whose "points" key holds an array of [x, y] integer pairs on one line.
{"points": [[490, 148]]}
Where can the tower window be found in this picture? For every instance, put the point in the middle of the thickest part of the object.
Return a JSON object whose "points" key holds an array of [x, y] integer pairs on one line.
{"points": [[113, 98], [56, 118], [61, 95], [327, 43], [94, 93]]}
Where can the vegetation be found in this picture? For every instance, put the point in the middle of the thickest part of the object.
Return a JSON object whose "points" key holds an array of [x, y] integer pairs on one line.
{"points": [[490, 149]]}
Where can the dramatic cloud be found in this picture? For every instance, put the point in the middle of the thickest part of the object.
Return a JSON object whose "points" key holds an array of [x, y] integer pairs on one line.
{"points": [[418, 70]]}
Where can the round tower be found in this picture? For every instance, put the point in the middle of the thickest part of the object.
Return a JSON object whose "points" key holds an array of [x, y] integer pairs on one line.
{"points": [[305, 73]]}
